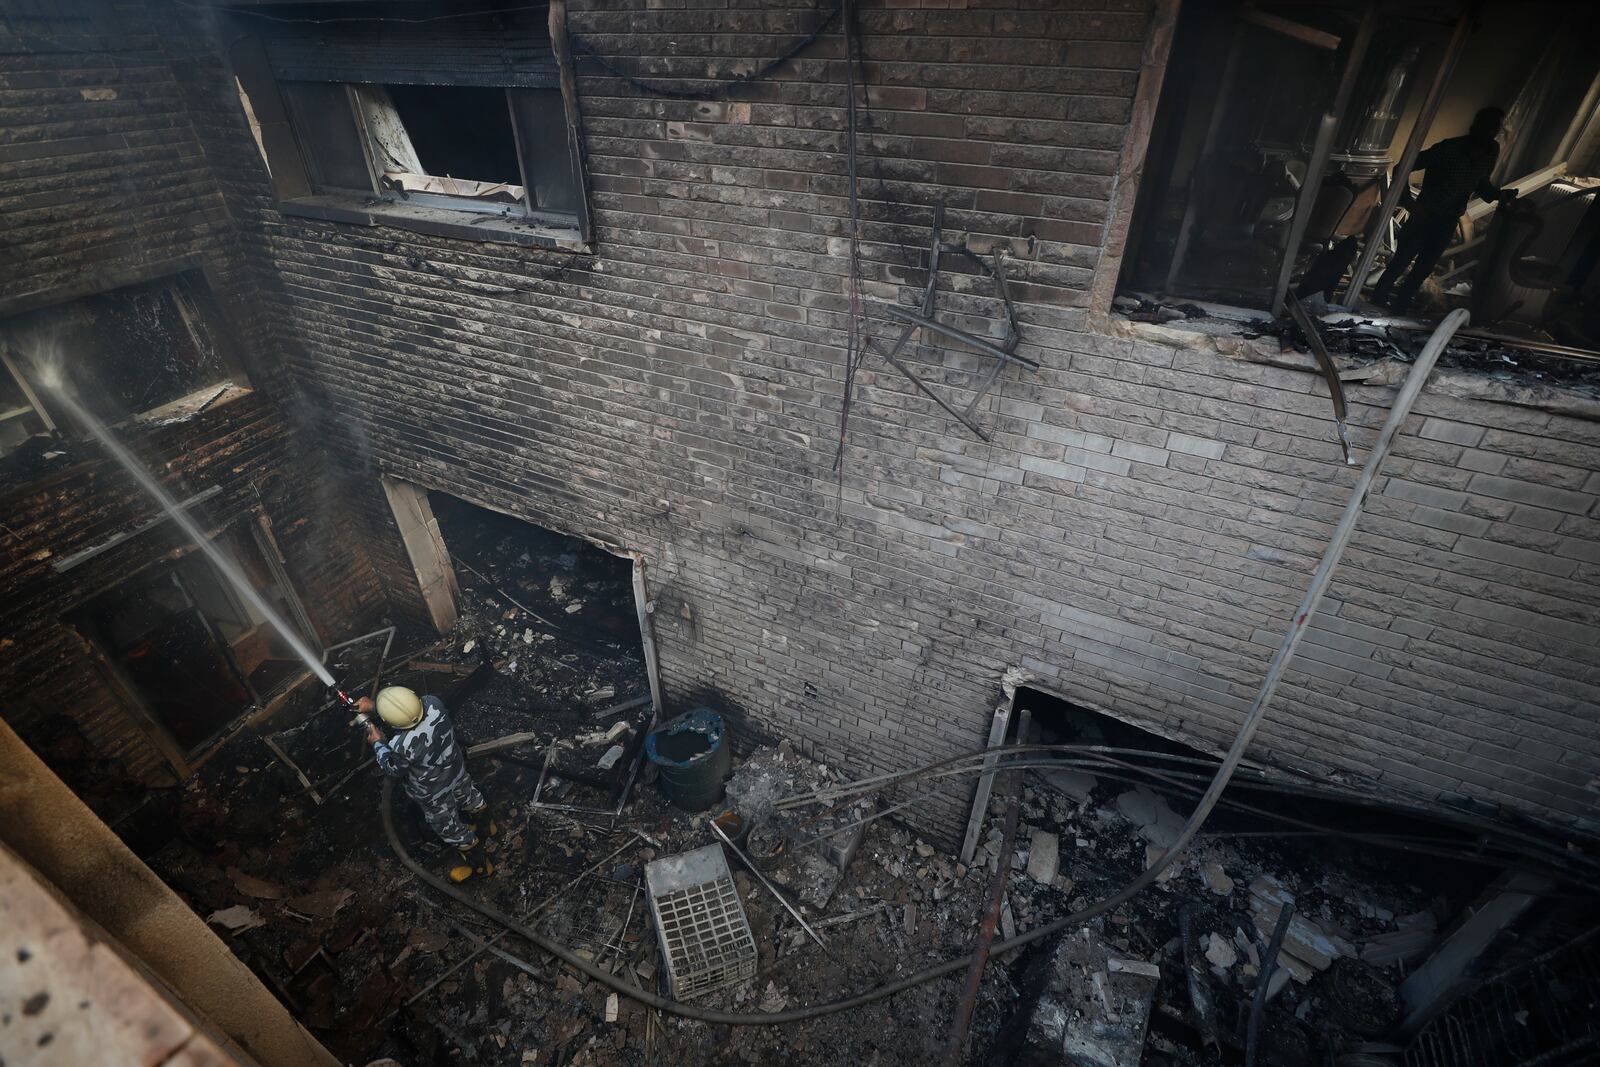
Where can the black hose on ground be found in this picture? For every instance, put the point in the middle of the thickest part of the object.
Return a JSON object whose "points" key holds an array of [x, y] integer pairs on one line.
{"points": [[1258, 1002]]}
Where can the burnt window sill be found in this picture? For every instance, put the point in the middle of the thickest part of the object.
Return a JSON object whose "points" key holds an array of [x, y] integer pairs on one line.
{"points": [[198, 402], [437, 221]]}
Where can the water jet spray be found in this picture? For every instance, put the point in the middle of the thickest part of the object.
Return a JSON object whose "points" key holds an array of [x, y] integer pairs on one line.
{"points": [[230, 571]]}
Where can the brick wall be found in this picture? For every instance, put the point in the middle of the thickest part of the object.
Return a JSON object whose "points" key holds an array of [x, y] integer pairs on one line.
{"points": [[104, 179], [1136, 533]]}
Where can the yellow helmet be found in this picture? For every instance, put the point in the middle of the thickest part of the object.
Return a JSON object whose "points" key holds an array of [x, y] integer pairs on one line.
{"points": [[399, 707]]}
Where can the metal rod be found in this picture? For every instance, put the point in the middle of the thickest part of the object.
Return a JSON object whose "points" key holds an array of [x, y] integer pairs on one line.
{"points": [[633, 775], [622, 931], [1320, 150], [485, 945], [535, 912], [988, 348], [1408, 158], [283, 757], [790, 908], [962, 1021], [486, 580], [931, 292], [1012, 338], [1330, 373], [851, 916], [1258, 1002], [931, 395]]}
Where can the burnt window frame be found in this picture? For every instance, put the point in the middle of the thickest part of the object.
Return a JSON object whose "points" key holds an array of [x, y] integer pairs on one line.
{"points": [[31, 408], [291, 162], [208, 318], [251, 524]]}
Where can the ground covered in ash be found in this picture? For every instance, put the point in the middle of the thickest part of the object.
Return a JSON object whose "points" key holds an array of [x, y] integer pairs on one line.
{"points": [[379, 965]]}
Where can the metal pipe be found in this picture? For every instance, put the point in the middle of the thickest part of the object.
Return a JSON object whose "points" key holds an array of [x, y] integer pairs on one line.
{"points": [[746, 860], [1321, 148], [895, 311], [962, 1021], [1408, 158]]}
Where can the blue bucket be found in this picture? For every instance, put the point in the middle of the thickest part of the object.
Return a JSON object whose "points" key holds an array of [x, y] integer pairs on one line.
{"points": [[692, 754]]}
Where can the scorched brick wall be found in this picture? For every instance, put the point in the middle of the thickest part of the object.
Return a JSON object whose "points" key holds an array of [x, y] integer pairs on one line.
{"points": [[1135, 534], [104, 181]]}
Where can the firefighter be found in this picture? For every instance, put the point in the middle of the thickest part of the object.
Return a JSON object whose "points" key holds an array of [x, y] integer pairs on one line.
{"points": [[1456, 169], [423, 753]]}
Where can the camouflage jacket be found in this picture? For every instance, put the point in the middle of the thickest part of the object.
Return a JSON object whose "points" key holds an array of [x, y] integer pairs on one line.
{"points": [[425, 757]]}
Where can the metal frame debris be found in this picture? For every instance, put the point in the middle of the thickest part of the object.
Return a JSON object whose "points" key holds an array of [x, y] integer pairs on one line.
{"points": [[1003, 353]]}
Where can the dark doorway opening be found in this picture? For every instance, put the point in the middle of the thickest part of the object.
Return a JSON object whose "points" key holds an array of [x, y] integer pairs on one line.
{"points": [[555, 612]]}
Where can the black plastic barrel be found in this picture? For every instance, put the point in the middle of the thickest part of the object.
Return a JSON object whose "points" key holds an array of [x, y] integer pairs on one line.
{"points": [[693, 756]]}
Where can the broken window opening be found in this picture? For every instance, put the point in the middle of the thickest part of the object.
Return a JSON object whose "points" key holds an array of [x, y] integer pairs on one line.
{"points": [[123, 353], [1259, 802], [465, 112], [463, 147], [194, 654], [450, 140], [567, 588], [1253, 110]]}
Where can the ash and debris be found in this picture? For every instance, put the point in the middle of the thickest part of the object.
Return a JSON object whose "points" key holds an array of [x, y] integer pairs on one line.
{"points": [[315, 902], [1364, 341], [39, 456], [1359, 341]]}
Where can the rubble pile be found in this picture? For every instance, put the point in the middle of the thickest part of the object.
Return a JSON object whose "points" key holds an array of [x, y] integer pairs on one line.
{"points": [[1356, 923], [1363, 340]]}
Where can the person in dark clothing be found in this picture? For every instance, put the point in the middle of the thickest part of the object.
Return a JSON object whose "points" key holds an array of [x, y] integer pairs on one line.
{"points": [[1456, 169]]}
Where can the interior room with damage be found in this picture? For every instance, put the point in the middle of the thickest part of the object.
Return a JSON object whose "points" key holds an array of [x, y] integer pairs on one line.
{"points": [[814, 531]]}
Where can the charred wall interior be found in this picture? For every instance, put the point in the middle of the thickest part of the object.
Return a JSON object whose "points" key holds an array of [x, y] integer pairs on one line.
{"points": [[106, 184], [1134, 532]]}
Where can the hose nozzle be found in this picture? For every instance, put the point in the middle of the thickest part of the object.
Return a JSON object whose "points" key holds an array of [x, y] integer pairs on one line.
{"points": [[361, 718]]}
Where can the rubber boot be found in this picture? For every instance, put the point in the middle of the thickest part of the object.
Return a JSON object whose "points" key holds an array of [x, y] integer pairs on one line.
{"points": [[483, 821], [474, 863]]}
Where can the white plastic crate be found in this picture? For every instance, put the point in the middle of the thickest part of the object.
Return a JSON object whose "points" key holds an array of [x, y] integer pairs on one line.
{"points": [[701, 922]]}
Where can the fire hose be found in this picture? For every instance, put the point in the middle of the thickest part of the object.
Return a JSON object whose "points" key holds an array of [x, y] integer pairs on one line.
{"points": [[1247, 730]]}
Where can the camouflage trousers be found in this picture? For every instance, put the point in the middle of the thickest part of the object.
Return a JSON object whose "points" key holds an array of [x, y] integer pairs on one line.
{"points": [[443, 811]]}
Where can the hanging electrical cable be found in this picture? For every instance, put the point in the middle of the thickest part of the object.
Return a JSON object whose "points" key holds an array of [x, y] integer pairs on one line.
{"points": [[852, 352]]}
